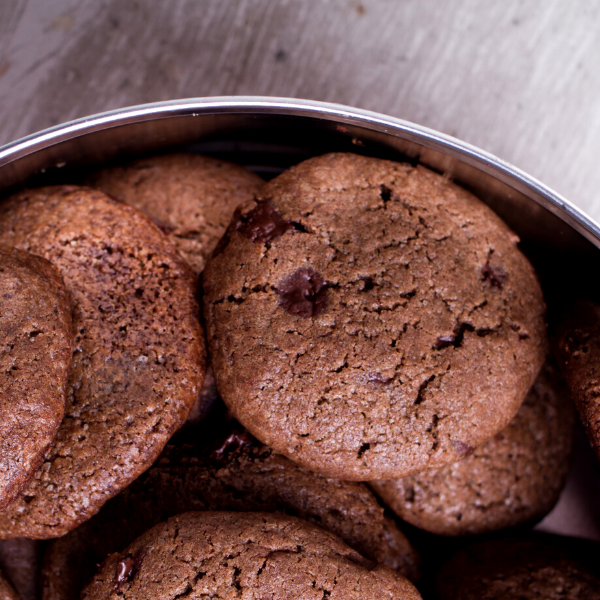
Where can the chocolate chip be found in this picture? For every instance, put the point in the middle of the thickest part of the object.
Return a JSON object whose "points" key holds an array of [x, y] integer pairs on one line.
{"points": [[127, 568], [303, 293], [379, 379], [236, 440], [444, 341], [463, 449], [455, 338], [493, 275], [138, 559], [263, 223], [124, 572]]}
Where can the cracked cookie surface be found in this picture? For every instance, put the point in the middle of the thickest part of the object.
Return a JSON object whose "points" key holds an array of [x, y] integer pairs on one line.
{"points": [[369, 319], [244, 555], [189, 196], [514, 478], [36, 345], [238, 474], [138, 359]]}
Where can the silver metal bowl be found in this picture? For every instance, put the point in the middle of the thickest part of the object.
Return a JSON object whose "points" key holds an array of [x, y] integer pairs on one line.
{"points": [[269, 134]]}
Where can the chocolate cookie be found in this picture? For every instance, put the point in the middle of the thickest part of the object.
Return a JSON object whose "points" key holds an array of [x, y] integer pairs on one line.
{"points": [[36, 345], [514, 478], [138, 361], [530, 568], [7, 591], [576, 345], [20, 561], [242, 475], [190, 197], [369, 319], [245, 555]]}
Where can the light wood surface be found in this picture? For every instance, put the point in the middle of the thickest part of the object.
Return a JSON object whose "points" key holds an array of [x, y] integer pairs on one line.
{"points": [[519, 79]]}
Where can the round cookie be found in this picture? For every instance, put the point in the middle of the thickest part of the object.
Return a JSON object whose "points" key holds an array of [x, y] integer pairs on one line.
{"points": [[36, 346], [241, 475], [249, 555], [7, 591], [370, 320], [576, 345], [138, 360], [514, 478], [189, 196], [529, 568]]}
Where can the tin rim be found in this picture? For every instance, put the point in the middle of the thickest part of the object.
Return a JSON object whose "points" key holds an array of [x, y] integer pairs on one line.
{"points": [[338, 113]]}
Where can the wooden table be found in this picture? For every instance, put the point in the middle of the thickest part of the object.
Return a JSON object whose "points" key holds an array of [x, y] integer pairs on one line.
{"points": [[519, 79]]}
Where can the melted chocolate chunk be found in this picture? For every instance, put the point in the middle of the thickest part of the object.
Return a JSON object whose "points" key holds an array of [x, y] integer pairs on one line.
{"points": [[379, 379], [236, 440], [303, 293], [463, 449], [455, 338], [494, 275], [263, 223], [127, 568], [124, 572], [444, 341]]}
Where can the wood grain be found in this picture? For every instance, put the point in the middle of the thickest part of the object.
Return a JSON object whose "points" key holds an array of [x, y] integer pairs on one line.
{"points": [[518, 79]]}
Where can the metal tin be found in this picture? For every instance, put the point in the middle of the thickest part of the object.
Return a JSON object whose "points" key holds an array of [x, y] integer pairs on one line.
{"points": [[270, 134]]}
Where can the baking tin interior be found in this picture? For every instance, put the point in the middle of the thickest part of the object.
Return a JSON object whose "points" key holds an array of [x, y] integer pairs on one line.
{"points": [[269, 135]]}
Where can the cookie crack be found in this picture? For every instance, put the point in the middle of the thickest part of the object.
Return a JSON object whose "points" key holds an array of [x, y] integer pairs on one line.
{"points": [[421, 392], [186, 593]]}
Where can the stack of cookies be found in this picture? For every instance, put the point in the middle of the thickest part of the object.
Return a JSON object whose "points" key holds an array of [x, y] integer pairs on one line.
{"points": [[375, 374]]}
